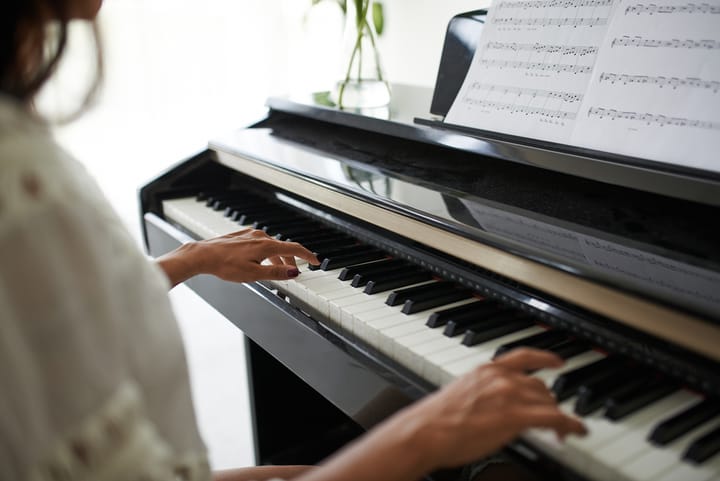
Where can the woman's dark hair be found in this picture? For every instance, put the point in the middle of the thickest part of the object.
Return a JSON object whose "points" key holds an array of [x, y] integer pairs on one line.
{"points": [[33, 38]]}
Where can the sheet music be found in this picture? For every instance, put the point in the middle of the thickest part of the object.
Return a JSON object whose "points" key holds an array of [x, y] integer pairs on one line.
{"points": [[532, 67], [655, 91], [630, 77]]}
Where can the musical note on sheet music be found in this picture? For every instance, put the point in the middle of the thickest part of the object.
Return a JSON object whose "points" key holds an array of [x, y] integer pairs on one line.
{"points": [[574, 50], [544, 4], [650, 119], [652, 8], [497, 107], [661, 81], [690, 44], [541, 66], [490, 89], [553, 22]]}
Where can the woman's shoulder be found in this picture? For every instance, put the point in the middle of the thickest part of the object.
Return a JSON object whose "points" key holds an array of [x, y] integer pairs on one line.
{"points": [[33, 167]]}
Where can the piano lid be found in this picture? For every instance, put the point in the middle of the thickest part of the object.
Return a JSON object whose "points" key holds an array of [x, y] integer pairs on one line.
{"points": [[653, 245]]}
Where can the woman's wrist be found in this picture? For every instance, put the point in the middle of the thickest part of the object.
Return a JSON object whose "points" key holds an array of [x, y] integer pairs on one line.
{"points": [[185, 262]]}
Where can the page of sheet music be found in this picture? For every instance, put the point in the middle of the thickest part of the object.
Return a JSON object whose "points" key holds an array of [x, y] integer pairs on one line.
{"points": [[655, 91], [532, 67], [623, 76]]}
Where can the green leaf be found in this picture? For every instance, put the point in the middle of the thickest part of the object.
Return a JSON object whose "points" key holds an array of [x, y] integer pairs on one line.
{"points": [[378, 17], [343, 6]]}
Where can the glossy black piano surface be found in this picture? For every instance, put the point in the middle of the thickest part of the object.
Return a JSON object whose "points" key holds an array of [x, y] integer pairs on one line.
{"points": [[363, 180]]}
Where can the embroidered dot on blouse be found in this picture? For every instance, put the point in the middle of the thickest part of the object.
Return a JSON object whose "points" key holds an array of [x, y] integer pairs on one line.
{"points": [[31, 185]]}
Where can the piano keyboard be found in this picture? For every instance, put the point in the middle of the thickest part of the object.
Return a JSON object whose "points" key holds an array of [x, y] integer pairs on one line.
{"points": [[642, 425]]}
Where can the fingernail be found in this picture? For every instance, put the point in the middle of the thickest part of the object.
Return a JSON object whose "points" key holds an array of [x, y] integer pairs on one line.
{"points": [[294, 272]]}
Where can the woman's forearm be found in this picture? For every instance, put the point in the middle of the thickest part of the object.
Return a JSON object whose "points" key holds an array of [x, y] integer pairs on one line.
{"points": [[261, 473], [396, 450]]}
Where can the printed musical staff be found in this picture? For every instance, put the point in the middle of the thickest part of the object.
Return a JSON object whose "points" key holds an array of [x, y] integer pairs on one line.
{"points": [[553, 22], [652, 9], [521, 109], [660, 81], [569, 97], [541, 66], [543, 4], [652, 119], [637, 41], [578, 51]]}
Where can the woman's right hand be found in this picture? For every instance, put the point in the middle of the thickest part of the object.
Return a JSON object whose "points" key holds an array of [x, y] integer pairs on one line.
{"points": [[467, 420], [482, 411]]}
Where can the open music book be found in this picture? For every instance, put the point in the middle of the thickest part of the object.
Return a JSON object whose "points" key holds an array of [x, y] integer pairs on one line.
{"points": [[628, 77]]}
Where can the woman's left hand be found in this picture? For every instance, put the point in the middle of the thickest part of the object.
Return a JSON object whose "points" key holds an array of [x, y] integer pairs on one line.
{"points": [[236, 257]]}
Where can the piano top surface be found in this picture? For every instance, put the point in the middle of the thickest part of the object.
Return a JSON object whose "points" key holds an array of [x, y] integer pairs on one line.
{"points": [[654, 245]]}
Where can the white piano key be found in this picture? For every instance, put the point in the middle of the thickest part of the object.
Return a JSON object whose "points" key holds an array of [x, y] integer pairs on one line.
{"points": [[656, 460], [368, 325], [684, 471]]}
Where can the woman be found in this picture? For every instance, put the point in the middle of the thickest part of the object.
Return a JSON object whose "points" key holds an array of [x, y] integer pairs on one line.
{"points": [[92, 372]]}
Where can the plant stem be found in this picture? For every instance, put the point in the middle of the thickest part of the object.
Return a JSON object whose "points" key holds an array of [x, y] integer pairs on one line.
{"points": [[347, 75]]}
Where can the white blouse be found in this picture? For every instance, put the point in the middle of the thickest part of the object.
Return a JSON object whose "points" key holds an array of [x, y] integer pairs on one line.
{"points": [[93, 377]]}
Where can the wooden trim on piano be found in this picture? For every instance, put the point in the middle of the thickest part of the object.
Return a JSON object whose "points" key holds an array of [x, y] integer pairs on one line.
{"points": [[660, 321]]}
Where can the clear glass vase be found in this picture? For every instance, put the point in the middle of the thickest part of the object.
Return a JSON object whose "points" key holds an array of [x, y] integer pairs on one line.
{"points": [[362, 84]]}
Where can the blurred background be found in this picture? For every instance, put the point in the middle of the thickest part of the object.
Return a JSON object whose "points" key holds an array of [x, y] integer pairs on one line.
{"points": [[179, 72]]}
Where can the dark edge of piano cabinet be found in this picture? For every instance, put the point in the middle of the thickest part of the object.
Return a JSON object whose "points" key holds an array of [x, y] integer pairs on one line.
{"points": [[381, 390], [184, 178]]}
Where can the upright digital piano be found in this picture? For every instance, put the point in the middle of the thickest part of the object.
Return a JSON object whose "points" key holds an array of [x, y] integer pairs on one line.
{"points": [[442, 247]]}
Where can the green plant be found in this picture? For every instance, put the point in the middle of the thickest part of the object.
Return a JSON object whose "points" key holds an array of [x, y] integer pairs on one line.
{"points": [[362, 26], [378, 13]]}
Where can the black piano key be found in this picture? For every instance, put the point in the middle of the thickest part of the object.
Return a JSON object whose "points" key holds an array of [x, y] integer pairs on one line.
{"points": [[337, 261], [333, 249], [570, 348], [401, 295], [431, 300], [568, 383], [480, 308], [233, 209], [543, 340], [331, 246], [222, 201], [286, 231], [502, 325], [350, 272], [460, 323], [682, 423], [279, 228], [623, 404], [593, 394], [381, 273], [278, 219], [211, 197], [248, 216], [393, 282], [202, 196], [323, 232], [704, 447]]}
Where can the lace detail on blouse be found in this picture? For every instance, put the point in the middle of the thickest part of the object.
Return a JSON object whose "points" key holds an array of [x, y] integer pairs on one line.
{"points": [[118, 443], [93, 374]]}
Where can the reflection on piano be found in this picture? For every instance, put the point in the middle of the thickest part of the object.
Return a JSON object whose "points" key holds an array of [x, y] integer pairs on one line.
{"points": [[440, 251]]}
